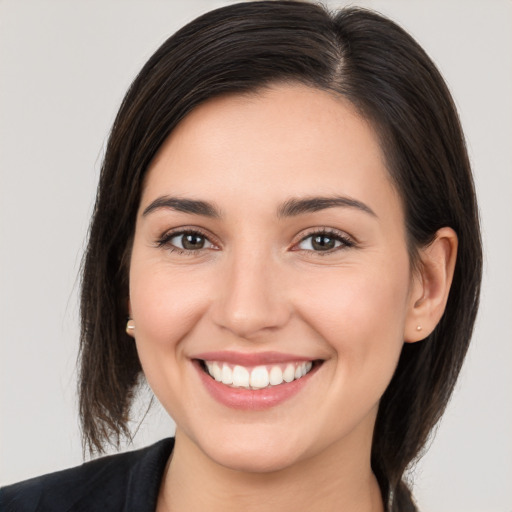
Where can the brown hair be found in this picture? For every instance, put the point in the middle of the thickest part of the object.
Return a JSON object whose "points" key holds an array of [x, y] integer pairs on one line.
{"points": [[376, 65]]}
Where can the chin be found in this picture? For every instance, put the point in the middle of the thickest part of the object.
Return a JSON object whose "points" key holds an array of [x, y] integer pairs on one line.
{"points": [[253, 454], [255, 461]]}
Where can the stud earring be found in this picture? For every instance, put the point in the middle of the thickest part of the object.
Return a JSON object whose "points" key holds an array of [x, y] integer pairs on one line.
{"points": [[418, 327], [130, 326]]}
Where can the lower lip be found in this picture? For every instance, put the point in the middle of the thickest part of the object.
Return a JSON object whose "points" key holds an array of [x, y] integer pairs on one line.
{"points": [[250, 399]]}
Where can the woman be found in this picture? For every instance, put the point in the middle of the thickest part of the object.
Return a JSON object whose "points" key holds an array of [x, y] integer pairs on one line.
{"points": [[285, 199]]}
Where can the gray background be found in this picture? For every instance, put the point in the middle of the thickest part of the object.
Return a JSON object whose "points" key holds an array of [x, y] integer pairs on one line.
{"points": [[64, 67]]}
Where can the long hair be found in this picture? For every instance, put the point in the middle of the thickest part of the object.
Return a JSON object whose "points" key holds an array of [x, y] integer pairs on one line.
{"points": [[385, 74]]}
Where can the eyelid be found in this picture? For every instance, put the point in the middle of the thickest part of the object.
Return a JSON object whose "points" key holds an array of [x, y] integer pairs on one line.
{"points": [[163, 241], [347, 241]]}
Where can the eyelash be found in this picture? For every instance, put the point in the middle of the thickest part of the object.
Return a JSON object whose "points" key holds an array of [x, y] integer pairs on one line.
{"points": [[165, 241], [338, 236], [345, 242]]}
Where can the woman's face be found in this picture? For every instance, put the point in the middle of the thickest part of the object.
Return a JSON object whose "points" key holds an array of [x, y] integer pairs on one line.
{"points": [[270, 242]]}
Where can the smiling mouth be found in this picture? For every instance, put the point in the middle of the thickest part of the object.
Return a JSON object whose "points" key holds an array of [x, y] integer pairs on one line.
{"points": [[257, 377]]}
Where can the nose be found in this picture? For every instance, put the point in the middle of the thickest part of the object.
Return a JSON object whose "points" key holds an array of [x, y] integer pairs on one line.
{"points": [[251, 298]]}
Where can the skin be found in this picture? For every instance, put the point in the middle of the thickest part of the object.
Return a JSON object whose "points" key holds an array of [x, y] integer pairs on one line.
{"points": [[259, 285]]}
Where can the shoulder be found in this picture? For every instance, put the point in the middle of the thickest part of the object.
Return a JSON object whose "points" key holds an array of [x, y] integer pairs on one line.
{"points": [[127, 481]]}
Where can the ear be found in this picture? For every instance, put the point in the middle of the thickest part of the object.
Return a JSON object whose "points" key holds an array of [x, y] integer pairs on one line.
{"points": [[431, 285], [130, 324]]}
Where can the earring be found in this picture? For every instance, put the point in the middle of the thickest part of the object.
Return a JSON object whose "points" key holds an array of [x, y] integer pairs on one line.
{"points": [[130, 327], [418, 327]]}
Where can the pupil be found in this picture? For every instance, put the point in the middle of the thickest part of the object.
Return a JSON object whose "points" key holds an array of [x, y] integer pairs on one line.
{"points": [[323, 243], [193, 241]]}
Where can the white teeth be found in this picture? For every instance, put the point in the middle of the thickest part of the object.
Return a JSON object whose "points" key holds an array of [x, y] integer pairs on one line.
{"points": [[259, 377], [289, 373], [303, 370], [227, 375], [216, 372], [276, 376], [240, 377]]}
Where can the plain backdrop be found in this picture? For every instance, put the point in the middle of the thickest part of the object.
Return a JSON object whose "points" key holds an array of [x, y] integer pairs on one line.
{"points": [[64, 68]]}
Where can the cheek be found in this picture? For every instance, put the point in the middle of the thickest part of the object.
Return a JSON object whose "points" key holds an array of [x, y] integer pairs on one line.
{"points": [[166, 307], [361, 314], [359, 299]]}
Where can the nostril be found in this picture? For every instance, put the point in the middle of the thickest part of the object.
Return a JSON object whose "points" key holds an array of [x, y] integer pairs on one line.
{"points": [[251, 323]]}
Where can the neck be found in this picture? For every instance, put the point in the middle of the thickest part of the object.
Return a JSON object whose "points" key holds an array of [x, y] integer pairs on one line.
{"points": [[330, 481]]}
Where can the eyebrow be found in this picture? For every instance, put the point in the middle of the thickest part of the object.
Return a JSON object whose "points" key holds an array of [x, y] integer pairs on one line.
{"points": [[179, 204], [294, 207], [290, 208]]}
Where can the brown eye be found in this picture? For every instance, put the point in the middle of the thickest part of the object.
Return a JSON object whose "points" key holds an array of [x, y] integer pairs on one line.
{"points": [[188, 241], [324, 242], [192, 241]]}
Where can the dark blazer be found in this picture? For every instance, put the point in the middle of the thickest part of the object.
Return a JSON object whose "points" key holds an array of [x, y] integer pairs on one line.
{"points": [[127, 482]]}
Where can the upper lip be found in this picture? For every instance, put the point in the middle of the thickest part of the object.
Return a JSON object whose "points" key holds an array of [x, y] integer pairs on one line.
{"points": [[251, 359]]}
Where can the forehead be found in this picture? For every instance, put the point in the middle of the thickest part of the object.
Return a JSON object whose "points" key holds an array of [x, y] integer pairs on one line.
{"points": [[287, 140]]}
